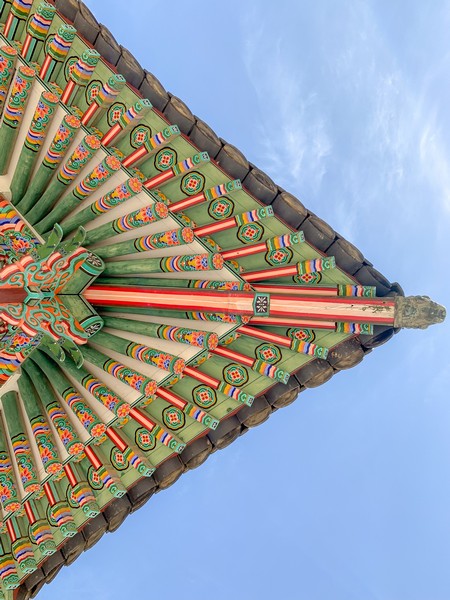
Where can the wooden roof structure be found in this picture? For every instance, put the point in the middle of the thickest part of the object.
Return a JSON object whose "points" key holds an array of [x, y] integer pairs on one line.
{"points": [[160, 294]]}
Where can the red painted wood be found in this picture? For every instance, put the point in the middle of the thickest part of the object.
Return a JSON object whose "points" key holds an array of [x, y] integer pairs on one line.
{"points": [[10, 529], [89, 114], [26, 45], [199, 376], [267, 336], [29, 512], [70, 475], [233, 355], [49, 494], [92, 457], [12, 295], [116, 439], [68, 91], [45, 66], [187, 202]]}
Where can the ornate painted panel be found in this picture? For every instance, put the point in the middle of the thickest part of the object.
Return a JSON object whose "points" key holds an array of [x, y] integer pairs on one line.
{"points": [[146, 295]]}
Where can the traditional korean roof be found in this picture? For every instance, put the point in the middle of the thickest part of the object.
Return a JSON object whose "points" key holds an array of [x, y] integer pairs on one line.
{"points": [[160, 294]]}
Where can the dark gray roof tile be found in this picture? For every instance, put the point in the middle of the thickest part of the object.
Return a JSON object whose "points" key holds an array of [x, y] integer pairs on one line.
{"points": [[318, 233], [177, 113], [347, 256], [226, 432], [94, 530], [36, 588], [107, 46], [205, 138], [35, 579], [116, 512], [290, 209], [86, 24], [380, 336], [68, 8], [260, 185], [368, 275], [314, 373], [346, 355], [22, 593], [396, 290], [281, 395], [141, 491], [168, 472], [257, 413], [130, 68], [72, 548], [197, 452], [231, 160], [52, 563], [152, 89]]}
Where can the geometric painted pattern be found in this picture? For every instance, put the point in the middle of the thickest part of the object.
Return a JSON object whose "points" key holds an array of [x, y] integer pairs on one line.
{"points": [[115, 112], [165, 159], [235, 374], [145, 440], [308, 278], [204, 396], [92, 90], [302, 335], [221, 208], [280, 256], [113, 378], [173, 418], [268, 353], [192, 183], [139, 135], [250, 233]]}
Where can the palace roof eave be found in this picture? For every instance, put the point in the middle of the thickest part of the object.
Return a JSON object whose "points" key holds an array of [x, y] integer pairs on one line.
{"points": [[288, 208]]}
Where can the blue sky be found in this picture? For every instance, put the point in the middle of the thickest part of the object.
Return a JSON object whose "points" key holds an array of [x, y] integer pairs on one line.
{"points": [[345, 105]]}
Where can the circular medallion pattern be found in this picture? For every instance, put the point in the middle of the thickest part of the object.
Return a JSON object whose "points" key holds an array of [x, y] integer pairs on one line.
{"points": [[221, 208], [192, 183], [235, 374], [115, 112], [308, 278], [92, 90], [204, 396], [94, 479], [173, 418], [165, 159], [144, 439], [139, 135], [280, 256], [118, 460], [268, 353], [250, 233]]}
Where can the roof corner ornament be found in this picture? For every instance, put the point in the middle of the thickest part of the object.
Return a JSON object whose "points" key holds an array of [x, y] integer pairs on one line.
{"points": [[417, 312]]}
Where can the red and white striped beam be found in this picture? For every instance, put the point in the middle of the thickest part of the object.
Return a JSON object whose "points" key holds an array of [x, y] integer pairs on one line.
{"points": [[289, 309], [201, 300], [236, 221], [297, 345], [281, 241], [360, 310]]}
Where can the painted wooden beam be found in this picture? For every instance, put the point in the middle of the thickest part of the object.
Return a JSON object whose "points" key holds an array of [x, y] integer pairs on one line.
{"points": [[106, 95], [53, 157], [13, 114], [37, 30], [57, 50]]}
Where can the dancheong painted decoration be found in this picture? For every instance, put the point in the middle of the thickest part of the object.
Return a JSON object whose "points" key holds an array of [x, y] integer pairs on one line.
{"points": [[158, 293]]}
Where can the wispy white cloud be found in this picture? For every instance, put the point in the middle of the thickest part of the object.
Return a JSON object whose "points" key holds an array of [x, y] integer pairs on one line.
{"points": [[435, 160], [295, 141], [369, 134]]}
